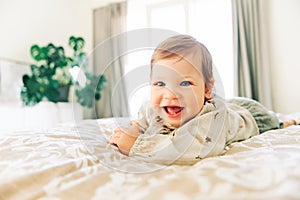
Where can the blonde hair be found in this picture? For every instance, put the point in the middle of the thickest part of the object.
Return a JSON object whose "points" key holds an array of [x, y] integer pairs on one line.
{"points": [[188, 48]]}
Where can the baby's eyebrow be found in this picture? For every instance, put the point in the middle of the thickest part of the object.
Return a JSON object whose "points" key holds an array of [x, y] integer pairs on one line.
{"points": [[188, 76], [158, 77]]}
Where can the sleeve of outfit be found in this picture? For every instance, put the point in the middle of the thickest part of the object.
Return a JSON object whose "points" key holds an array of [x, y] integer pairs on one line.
{"points": [[207, 134]]}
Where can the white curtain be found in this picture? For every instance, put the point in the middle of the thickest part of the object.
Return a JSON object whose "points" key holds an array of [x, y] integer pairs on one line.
{"points": [[250, 50], [108, 22]]}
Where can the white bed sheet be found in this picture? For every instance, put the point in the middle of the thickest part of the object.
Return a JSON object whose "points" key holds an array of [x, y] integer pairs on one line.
{"points": [[75, 161]]}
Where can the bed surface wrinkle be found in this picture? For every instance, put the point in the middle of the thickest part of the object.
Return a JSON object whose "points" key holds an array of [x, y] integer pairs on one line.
{"points": [[76, 161]]}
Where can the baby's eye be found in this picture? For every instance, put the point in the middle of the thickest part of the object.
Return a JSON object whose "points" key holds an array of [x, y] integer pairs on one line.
{"points": [[185, 83], [159, 83]]}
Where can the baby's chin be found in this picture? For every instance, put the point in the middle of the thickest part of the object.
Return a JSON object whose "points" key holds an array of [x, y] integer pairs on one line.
{"points": [[178, 122], [174, 123]]}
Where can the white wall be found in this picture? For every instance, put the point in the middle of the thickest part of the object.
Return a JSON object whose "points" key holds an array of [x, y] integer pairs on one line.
{"points": [[23, 23], [284, 21]]}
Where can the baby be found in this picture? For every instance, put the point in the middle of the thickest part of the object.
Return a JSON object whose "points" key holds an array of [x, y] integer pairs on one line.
{"points": [[183, 123]]}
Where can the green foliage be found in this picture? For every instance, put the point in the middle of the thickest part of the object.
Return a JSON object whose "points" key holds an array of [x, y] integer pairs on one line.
{"points": [[92, 88], [51, 71]]}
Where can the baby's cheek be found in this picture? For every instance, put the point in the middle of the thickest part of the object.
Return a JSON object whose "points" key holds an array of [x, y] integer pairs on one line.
{"points": [[154, 100], [153, 103]]}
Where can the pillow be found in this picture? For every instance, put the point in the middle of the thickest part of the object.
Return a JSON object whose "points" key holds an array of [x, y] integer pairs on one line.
{"points": [[11, 74]]}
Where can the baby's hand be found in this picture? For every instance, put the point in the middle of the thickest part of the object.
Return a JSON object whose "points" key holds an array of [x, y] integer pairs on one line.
{"points": [[124, 138]]}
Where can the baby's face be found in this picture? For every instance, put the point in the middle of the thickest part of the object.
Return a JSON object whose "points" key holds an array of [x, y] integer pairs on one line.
{"points": [[177, 90]]}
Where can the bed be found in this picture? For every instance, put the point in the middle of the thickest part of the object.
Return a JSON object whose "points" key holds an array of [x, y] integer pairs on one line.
{"points": [[75, 161]]}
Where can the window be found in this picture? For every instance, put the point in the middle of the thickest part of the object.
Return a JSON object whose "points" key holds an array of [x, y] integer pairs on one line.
{"points": [[168, 15], [209, 21]]}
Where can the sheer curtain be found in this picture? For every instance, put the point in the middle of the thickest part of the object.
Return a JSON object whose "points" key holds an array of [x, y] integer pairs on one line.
{"points": [[250, 50], [109, 21]]}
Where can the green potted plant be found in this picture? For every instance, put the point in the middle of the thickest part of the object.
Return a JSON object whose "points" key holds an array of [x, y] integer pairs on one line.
{"points": [[50, 76]]}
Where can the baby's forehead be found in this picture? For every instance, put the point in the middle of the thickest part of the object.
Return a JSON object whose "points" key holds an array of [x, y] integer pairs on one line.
{"points": [[174, 67], [188, 60]]}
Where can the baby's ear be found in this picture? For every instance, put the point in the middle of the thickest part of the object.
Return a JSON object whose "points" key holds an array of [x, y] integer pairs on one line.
{"points": [[208, 89]]}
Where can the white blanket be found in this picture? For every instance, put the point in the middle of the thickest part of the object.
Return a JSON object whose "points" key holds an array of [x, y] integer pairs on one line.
{"points": [[77, 162]]}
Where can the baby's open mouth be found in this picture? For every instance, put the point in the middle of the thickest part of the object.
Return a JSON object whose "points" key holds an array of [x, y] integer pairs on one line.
{"points": [[173, 110]]}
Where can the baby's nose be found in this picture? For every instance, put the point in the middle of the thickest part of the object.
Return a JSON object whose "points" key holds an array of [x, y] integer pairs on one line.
{"points": [[171, 94]]}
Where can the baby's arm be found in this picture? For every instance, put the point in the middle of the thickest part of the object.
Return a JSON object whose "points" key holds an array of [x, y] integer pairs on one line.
{"points": [[186, 145], [124, 137]]}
